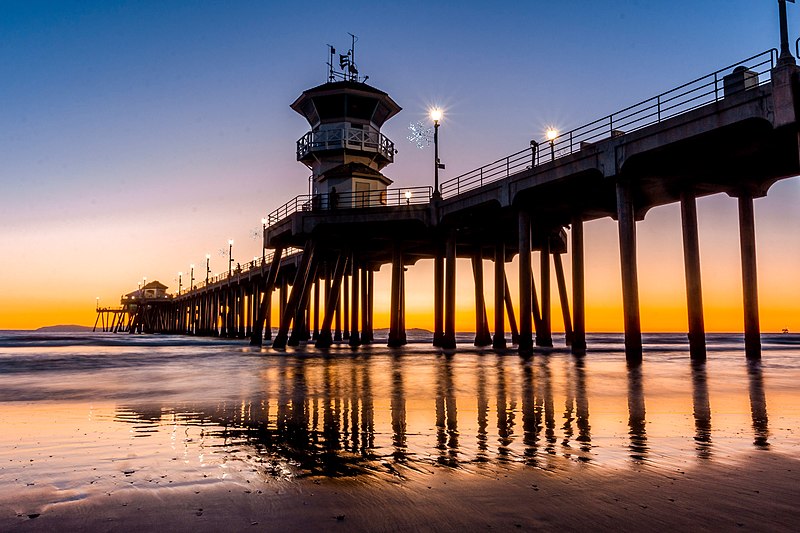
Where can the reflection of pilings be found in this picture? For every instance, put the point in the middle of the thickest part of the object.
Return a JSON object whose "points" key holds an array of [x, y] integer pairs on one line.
{"points": [[531, 423], [505, 414], [446, 414], [546, 405], [482, 335], [702, 409], [582, 406], [758, 404], [499, 341], [636, 413], [483, 413], [398, 408], [747, 239]]}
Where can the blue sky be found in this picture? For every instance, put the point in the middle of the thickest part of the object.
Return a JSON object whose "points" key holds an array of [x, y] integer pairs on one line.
{"points": [[137, 136]]}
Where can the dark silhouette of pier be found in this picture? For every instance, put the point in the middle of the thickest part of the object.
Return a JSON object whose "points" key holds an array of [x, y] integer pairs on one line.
{"points": [[733, 131]]}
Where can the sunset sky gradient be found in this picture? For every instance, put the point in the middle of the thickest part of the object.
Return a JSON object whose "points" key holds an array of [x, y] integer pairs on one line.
{"points": [[138, 136]]}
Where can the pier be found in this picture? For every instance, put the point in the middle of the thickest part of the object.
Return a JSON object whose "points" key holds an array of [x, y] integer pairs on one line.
{"points": [[733, 131]]}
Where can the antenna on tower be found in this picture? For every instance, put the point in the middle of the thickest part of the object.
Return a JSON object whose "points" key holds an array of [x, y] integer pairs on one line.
{"points": [[347, 64]]}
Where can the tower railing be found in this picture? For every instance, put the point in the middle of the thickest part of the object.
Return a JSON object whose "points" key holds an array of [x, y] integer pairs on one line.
{"points": [[682, 99], [351, 200], [345, 137]]}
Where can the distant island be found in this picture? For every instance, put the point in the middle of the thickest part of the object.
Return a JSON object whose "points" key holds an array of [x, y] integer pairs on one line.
{"points": [[64, 328]]}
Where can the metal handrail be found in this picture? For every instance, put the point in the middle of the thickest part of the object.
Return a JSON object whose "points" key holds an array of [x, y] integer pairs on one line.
{"points": [[351, 200], [345, 137], [676, 101], [244, 270]]}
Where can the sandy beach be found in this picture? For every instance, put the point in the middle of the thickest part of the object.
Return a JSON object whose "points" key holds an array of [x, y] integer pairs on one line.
{"points": [[757, 494]]}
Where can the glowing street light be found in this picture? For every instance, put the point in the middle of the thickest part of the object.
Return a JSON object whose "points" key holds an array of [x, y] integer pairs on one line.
{"points": [[264, 232], [230, 257], [436, 116], [552, 135]]}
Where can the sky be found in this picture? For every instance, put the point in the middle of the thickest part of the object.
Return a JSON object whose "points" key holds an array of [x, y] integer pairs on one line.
{"points": [[137, 136]]}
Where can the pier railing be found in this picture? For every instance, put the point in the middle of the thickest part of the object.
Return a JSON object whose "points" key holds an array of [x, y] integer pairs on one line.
{"points": [[346, 137], [243, 270], [682, 99], [351, 200]]}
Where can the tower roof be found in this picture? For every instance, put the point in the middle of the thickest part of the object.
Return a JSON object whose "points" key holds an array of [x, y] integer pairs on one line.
{"points": [[335, 101]]}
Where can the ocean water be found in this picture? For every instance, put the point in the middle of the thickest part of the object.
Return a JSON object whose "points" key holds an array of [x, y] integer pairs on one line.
{"points": [[87, 414]]}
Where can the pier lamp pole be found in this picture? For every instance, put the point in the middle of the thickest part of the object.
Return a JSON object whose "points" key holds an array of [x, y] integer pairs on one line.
{"points": [[230, 257], [436, 116], [208, 267], [786, 56], [264, 232], [552, 134], [191, 281], [180, 281]]}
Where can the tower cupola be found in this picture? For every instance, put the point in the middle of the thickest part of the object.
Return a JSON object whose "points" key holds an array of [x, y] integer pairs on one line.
{"points": [[345, 148]]}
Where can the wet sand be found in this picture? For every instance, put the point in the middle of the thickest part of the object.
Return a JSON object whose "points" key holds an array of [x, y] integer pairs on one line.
{"points": [[758, 494], [188, 435]]}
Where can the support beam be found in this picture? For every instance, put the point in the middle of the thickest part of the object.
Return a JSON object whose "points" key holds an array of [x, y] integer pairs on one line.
{"points": [[325, 339], [290, 309], [525, 307], [266, 303], [544, 335], [562, 294], [691, 266], [397, 335], [438, 297], [482, 335], [630, 282], [747, 239], [449, 339], [512, 320], [365, 306], [355, 338], [578, 290], [499, 341]]}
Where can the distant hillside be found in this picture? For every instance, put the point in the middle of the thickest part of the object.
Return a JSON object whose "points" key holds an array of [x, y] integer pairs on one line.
{"points": [[65, 328]]}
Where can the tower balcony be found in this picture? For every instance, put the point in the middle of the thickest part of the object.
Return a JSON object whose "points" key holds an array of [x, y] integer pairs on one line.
{"points": [[345, 138]]}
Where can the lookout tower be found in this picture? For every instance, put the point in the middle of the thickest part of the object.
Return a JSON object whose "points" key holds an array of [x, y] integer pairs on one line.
{"points": [[345, 148]]}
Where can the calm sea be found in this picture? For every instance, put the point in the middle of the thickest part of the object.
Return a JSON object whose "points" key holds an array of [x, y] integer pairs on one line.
{"points": [[83, 412]]}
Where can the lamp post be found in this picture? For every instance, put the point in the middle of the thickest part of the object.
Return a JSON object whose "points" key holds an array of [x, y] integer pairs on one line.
{"points": [[436, 116], [191, 281], [552, 134], [230, 257], [786, 56], [208, 267], [263, 234]]}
